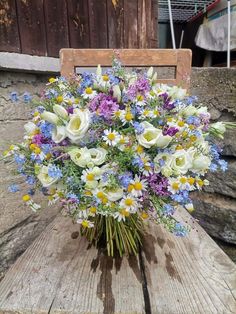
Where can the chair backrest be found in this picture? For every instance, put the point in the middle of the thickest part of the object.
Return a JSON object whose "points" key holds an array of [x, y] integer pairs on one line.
{"points": [[180, 59]]}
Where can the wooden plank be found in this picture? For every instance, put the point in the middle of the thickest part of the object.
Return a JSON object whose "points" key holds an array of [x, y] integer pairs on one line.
{"points": [[115, 15], [188, 275], [98, 23], [56, 26], [183, 70], [131, 24], [78, 20], [9, 33], [59, 274], [70, 58], [144, 23], [153, 40], [32, 27]]}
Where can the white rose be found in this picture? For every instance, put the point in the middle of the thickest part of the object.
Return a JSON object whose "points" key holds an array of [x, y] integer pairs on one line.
{"points": [[114, 195], [181, 161], [78, 125], [58, 134], [60, 111], [44, 178], [80, 156], [30, 127], [98, 155], [50, 117], [201, 162], [189, 111]]}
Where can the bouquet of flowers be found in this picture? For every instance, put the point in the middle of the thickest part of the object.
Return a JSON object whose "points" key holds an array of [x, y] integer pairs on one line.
{"points": [[117, 149]]}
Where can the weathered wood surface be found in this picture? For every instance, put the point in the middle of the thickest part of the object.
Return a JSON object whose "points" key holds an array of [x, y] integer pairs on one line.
{"points": [[188, 275], [42, 27], [181, 59], [59, 274]]}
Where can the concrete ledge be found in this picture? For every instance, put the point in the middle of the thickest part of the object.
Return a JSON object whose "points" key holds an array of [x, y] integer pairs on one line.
{"points": [[27, 63]]}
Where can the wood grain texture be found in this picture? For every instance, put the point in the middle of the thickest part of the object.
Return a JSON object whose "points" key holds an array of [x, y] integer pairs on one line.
{"points": [[115, 20], [31, 27], [78, 20], [56, 26], [9, 32], [98, 23], [181, 58], [59, 274], [188, 275], [130, 24]]}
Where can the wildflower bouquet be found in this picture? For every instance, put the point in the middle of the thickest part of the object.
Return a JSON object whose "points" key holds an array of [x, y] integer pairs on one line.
{"points": [[117, 149]]}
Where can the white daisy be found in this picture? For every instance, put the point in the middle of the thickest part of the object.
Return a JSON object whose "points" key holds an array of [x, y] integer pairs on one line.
{"points": [[111, 138], [126, 116], [129, 203], [121, 214], [140, 101], [138, 186], [89, 93]]}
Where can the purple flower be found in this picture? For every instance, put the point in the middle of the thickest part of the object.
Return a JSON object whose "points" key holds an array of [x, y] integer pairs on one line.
{"points": [[170, 131], [159, 184], [141, 86], [104, 105], [14, 96]]}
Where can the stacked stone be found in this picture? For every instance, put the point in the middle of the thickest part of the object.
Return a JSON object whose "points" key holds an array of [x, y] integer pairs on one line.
{"points": [[216, 206]]}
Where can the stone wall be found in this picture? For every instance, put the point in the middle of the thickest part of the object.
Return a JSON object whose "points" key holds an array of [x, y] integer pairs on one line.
{"points": [[215, 208]]}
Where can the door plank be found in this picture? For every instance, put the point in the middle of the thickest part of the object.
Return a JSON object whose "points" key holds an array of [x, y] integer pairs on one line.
{"points": [[56, 26], [32, 27], [78, 23], [9, 32]]}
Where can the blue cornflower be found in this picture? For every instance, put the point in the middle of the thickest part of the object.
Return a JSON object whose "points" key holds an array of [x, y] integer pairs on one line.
{"points": [[13, 188], [27, 97], [213, 167], [177, 198], [14, 96], [114, 79], [73, 197], [54, 172], [168, 209], [137, 161], [51, 93], [19, 159], [223, 165], [125, 179], [46, 148], [46, 129], [180, 230], [139, 129], [191, 99], [30, 180], [40, 109], [161, 162]]}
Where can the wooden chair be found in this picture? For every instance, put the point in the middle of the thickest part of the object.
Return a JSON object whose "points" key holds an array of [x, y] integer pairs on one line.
{"points": [[180, 59], [59, 274]]}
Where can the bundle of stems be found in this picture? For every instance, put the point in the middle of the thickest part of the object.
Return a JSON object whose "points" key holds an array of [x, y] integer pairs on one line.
{"points": [[122, 236]]}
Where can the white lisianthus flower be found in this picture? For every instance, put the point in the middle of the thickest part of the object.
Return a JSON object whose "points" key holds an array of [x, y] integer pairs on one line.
{"points": [[181, 161], [50, 117], [60, 111], [30, 127], [78, 125], [201, 162], [218, 128], [152, 136], [117, 92], [98, 155], [80, 156], [189, 111], [203, 110], [177, 92], [58, 134], [114, 195], [44, 178]]}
